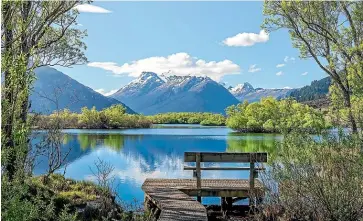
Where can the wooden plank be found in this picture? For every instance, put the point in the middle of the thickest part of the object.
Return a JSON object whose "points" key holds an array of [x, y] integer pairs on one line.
{"points": [[210, 187], [199, 183], [225, 157], [252, 183], [222, 168], [174, 205]]}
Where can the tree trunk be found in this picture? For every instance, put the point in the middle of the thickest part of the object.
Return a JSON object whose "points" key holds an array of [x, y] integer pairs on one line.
{"points": [[348, 105], [7, 112]]}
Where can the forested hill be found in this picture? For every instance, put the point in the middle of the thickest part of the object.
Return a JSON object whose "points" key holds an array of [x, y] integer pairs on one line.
{"points": [[317, 90]]}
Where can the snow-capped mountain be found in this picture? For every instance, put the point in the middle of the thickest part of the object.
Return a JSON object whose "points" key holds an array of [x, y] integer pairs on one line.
{"points": [[246, 92], [151, 94], [147, 82], [242, 88]]}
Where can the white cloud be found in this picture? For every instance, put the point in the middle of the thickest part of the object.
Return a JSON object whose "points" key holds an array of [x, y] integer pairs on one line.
{"points": [[280, 65], [91, 9], [253, 68], [246, 39], [305, 73], [176, 64], [287, 59], [287, 87], [279, 73], [104, 92]]}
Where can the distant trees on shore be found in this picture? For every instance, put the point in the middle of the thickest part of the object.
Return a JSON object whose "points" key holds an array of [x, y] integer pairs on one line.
{"points": [[269, 115], [203, 118], [109, 118]]}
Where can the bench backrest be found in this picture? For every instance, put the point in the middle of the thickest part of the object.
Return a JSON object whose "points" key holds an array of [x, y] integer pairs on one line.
{"points": [[199, 157], [226, 157]]}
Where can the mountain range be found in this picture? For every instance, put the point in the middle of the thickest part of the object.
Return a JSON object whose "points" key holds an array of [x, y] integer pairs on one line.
{"points": [[53, 90], [152, 94], [246, 92]]}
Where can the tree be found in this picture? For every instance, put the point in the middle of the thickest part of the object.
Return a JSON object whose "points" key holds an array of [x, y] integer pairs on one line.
{"points": [[270, 115], [114, 115], [329, 32], [34, 34]]}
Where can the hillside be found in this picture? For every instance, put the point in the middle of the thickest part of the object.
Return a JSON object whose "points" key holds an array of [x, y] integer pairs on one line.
{"points": [[318, 89], [54, 90]]}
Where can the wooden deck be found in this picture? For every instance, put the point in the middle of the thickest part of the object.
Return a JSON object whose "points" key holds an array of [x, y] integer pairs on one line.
{"points": [[173, 196]]}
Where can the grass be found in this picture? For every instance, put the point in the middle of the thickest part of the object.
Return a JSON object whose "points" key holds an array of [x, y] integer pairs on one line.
{"points": [[68, 190]]}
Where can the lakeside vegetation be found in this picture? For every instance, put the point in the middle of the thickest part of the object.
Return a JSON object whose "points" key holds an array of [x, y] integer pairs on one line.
{"points": [[202, 118], [321, 179], [268, 116], [113, 117], [273, 116]]}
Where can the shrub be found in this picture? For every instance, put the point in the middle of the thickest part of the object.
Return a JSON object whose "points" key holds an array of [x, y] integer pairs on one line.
{"points": [[317, 179], [111, 117], [270, 115], [188, 118]]}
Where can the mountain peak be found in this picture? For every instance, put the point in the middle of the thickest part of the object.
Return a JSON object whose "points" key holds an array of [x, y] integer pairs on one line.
{"points": [[242, 88], [147, 77]]}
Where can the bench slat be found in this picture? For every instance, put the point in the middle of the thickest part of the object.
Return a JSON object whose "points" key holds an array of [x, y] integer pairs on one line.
{"points": [[226, 157], [222, 168]]}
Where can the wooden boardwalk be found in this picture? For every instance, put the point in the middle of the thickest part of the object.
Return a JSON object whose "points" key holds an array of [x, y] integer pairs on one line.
{"points": [[173, 196]]}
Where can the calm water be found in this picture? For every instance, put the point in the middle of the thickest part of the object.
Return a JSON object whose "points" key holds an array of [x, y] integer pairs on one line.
{"points": [[137, 154]]}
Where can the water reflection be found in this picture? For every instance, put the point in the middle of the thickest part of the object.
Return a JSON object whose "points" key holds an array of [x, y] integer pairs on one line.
{"points": [[253, 142], [153, 153], [111, 141]]}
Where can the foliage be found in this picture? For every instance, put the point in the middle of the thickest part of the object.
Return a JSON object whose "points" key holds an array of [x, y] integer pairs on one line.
{"points": [[34, 34], [111, 117], [91, 118], [58, 199], [316, 29], [26, 202], [271, 115], [319, 178], [209, 119], [214, 120]]}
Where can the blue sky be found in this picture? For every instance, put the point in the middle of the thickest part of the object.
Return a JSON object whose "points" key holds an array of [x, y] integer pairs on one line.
{"points": [[220, 39]]}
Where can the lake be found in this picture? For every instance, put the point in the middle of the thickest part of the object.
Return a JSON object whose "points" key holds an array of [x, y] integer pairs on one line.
{"points": [[137, 154]]}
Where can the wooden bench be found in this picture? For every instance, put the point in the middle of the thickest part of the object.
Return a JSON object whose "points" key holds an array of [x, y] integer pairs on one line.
{"points": [[213, 157], [170, 199]]}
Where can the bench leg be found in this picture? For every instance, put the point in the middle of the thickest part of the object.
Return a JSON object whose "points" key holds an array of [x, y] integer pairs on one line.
{"points": [[226, 204], [223, 204], [229, 203]]}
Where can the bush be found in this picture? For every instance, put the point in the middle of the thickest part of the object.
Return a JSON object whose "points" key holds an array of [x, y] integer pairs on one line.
{"points": [[214, 120], [317, 179], [270, 115], [111, 117], [188, 118]]}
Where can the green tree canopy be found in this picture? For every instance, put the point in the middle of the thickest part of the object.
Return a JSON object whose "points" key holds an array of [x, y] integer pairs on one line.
{"points": [[331, 33]]}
